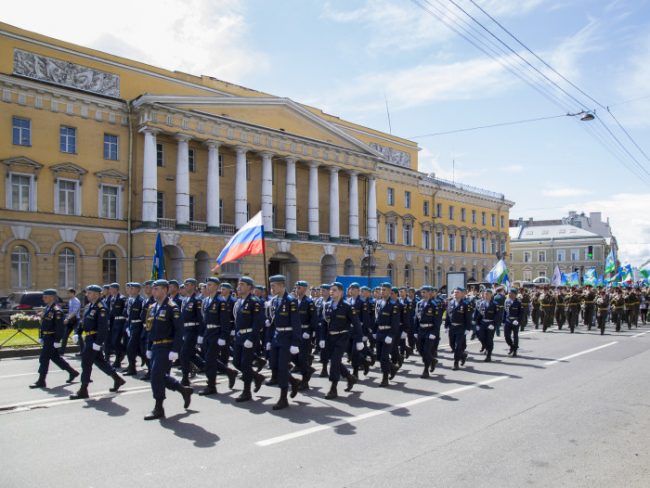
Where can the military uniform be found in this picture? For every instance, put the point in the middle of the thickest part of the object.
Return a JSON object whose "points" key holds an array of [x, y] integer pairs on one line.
{"points": [[547, 302], [602, 304], [147, 322], [560, 310], [308, 316], [513, 312], [428, 318], [525, 309], [387, 328], [617, 310], [192, 323], [117, 323], [134, 327], [589, 303], [536, 312], [458, 322], [573, 311], [486, 315], [249, 322]]}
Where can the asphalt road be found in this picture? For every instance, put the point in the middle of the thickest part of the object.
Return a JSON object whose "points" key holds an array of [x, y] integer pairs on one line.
{"points": [[572, 410]]}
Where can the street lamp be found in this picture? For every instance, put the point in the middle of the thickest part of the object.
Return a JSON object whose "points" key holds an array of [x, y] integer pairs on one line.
{"points": [[585, 116], [369, 248]]}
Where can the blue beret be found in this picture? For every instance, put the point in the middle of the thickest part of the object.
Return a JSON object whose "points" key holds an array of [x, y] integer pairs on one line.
{"points": [[354, 285], [164, 283], [127, 285], [394, 289], [226, 285], [434, 289], [426, 288], [213, 279], [115, 285], [325, 286], [513, 290], [191, 281], [260, 287], [365, 288], [386, 284], [277, 279], [302, 283], [337, 284], [135, 284], [106, 287], [96, 288], [248, 280], [172, 282], [50, 292], [148, 282]]}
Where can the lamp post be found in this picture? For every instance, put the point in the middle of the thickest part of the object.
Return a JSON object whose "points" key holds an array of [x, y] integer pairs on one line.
{"points": [[369, 248]]}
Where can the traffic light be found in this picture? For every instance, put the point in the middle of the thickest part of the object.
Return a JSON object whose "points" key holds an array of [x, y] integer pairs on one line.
{"points": [[590, 252]]}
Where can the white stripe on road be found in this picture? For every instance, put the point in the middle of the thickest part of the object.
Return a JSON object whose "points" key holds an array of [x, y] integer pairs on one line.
{"points": [[566, 358], [641, 333], [374, 413]]}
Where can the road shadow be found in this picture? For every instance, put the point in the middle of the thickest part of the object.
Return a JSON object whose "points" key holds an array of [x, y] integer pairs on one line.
{"points": [[107, 405], [471, 369], [187, 430]]}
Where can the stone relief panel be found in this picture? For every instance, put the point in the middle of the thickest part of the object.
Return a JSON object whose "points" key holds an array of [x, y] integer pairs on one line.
{"points": [[393, 156]]}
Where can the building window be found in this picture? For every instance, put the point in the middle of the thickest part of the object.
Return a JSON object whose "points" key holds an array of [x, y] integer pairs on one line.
{"points": [[473, 216], [67, 268], [463, 243], [67, 197], [20, 192], [408, 235], [462, 214], [426, 239], [494, 220], [391, 196], [191, 161], [451, 212], [160, 155], [110, 202], [575, 254], [502, 247], [160, 205], [483, 218], [220, 164], [248, 212], [22, 131], [561, 255], [20, 267], [109, 267], [542, 273], [111, 147], [452, 242], [501, 221], [191, 208], [389, 272], [407, 199], [425, 208], [528, 275], [427, 277], [390, 233], [527, 257], [541, 256], [439, 241], [248, 170], [68, 139], [439, 210], [407, 274], [274, 217], [493, 246], [221, 211], [483, 245], [473, 244]]}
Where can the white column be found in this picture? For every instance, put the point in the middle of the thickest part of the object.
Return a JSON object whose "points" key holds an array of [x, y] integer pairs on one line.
{"points": [[372, 208], [335, 233], [213, 192], [314, 226], [290, 201], [267, 192], [354, 206], [149, 179], [241, 198], [182, 181]]}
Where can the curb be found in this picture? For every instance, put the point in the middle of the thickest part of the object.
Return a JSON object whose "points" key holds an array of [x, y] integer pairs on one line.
{"points": [[20, 352]]}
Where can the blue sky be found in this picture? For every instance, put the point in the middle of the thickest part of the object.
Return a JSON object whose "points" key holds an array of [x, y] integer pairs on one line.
{"points": [[350, 57]]}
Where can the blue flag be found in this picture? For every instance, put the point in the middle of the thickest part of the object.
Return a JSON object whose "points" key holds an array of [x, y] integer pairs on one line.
{"points": [[591, 277], [573, 279], [158, 265]]}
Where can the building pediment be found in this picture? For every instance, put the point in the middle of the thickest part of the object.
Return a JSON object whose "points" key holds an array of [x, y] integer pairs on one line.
{"points": [[274, 113], [111, 174], [69, 168], [22, 163]]}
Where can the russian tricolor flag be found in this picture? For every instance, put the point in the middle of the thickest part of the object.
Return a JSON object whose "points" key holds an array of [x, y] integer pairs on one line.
{"points": [[248, 241]]}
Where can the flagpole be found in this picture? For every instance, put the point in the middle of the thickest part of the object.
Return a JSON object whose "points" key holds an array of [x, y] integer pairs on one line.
{"points": [[266, 268]]}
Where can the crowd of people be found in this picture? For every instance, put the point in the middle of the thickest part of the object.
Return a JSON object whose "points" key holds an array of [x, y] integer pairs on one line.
{"points": [[298, 331]]}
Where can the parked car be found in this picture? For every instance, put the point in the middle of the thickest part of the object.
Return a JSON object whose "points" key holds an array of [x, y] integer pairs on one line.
{"points": [[5, 303], [32, 300]]}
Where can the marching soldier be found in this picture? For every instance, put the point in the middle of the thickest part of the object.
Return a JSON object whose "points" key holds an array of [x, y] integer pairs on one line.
{"points": [[427, 329], [387, 328], [320, 306], [117, 321], [192, 323], [602, 304], [94, 327], [147, 322], [560, 308], [618, 303], [341, 327], [164, 345], [134, 327], [459, 323], [547, 302], [573, 309], [589, 304], [486, 314], [52, 331], [513, 313], [358, 358], [308, 328], [174, 292], [536, 312], [525, 308]]}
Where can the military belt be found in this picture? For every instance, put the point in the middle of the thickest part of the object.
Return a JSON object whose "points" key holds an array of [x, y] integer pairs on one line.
{"points": [[191, 324], [162, 341], [305, 326], [547, 304], [602, 309], [136, 321], [88, 333], [589, 303], [120, 317], [456, 324], [47, 332], [212, 326], [337, 332], [384, 327], [426, 326], [284, 329], [245, 331]]}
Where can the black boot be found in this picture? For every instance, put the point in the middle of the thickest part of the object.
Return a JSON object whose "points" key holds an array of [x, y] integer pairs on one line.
{"points": [[488, 358], [245, 394], [73, 373], [366, 367], [425, 373], [295, 386], [456, 367], [434, 363], [464, 358], [186, 391], [514, 352], [232, 377], [393, 371], [323, 372], [282, 402], [273, 380], [82, 393], [352, 380], [355, 372], [210, 389], [185, 380], [157, 413], [260, 363], [259, 381], [147, 376], [384, 380], [117, 382], [40, 382], [130, 371], [332, 394]]}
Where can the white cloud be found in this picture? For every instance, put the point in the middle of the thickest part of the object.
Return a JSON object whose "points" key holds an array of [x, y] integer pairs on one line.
{"points": [[509, 8], [565, 192], [195, 36], [429, 162], [633, 84], [565, 57]]}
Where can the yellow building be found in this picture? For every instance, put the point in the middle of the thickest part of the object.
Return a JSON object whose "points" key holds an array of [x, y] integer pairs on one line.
{"points": [[101, 153]]}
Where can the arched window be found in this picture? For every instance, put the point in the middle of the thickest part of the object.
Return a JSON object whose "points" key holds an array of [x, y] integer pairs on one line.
{"points": [[407, 275], [348, 267], [389, 272], [109, 267], [427, 278], [20, 267], [67, 268]]}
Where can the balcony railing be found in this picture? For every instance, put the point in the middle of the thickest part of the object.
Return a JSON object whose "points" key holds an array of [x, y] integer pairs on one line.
{"points": [[324, 237], [279, 233], [228, 229], [198, 226], [167, 224], [303, 236], [344, 239]]}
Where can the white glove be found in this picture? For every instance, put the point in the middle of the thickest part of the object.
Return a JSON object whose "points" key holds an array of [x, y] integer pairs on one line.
{"points": [[468, 332], [199, 340], [415, 335], [128, 332], [149, 354], [268, 346], [490, 327], [388, 340], [374, 336], [306, 336], [359, 346], [97, 347], [232, 333], [267, 323], [515, 322], [432, 337], [57, 345], [248, 344], [173, 356], [365, 339], [75, 339], [294, 350], [221, 342], [403, 336], [40, 341], [478, 328], [321, 344]]}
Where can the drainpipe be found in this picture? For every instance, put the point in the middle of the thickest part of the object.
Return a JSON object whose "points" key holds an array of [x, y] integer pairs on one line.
{"points": [[129, 216]]}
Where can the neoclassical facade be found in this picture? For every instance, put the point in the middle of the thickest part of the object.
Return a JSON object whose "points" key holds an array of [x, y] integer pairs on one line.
{"points": [[102, 153]]}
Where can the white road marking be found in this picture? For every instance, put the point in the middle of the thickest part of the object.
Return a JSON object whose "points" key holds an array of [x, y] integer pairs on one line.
{"points": [[565, 358], [641, 333], [29, 374]]}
